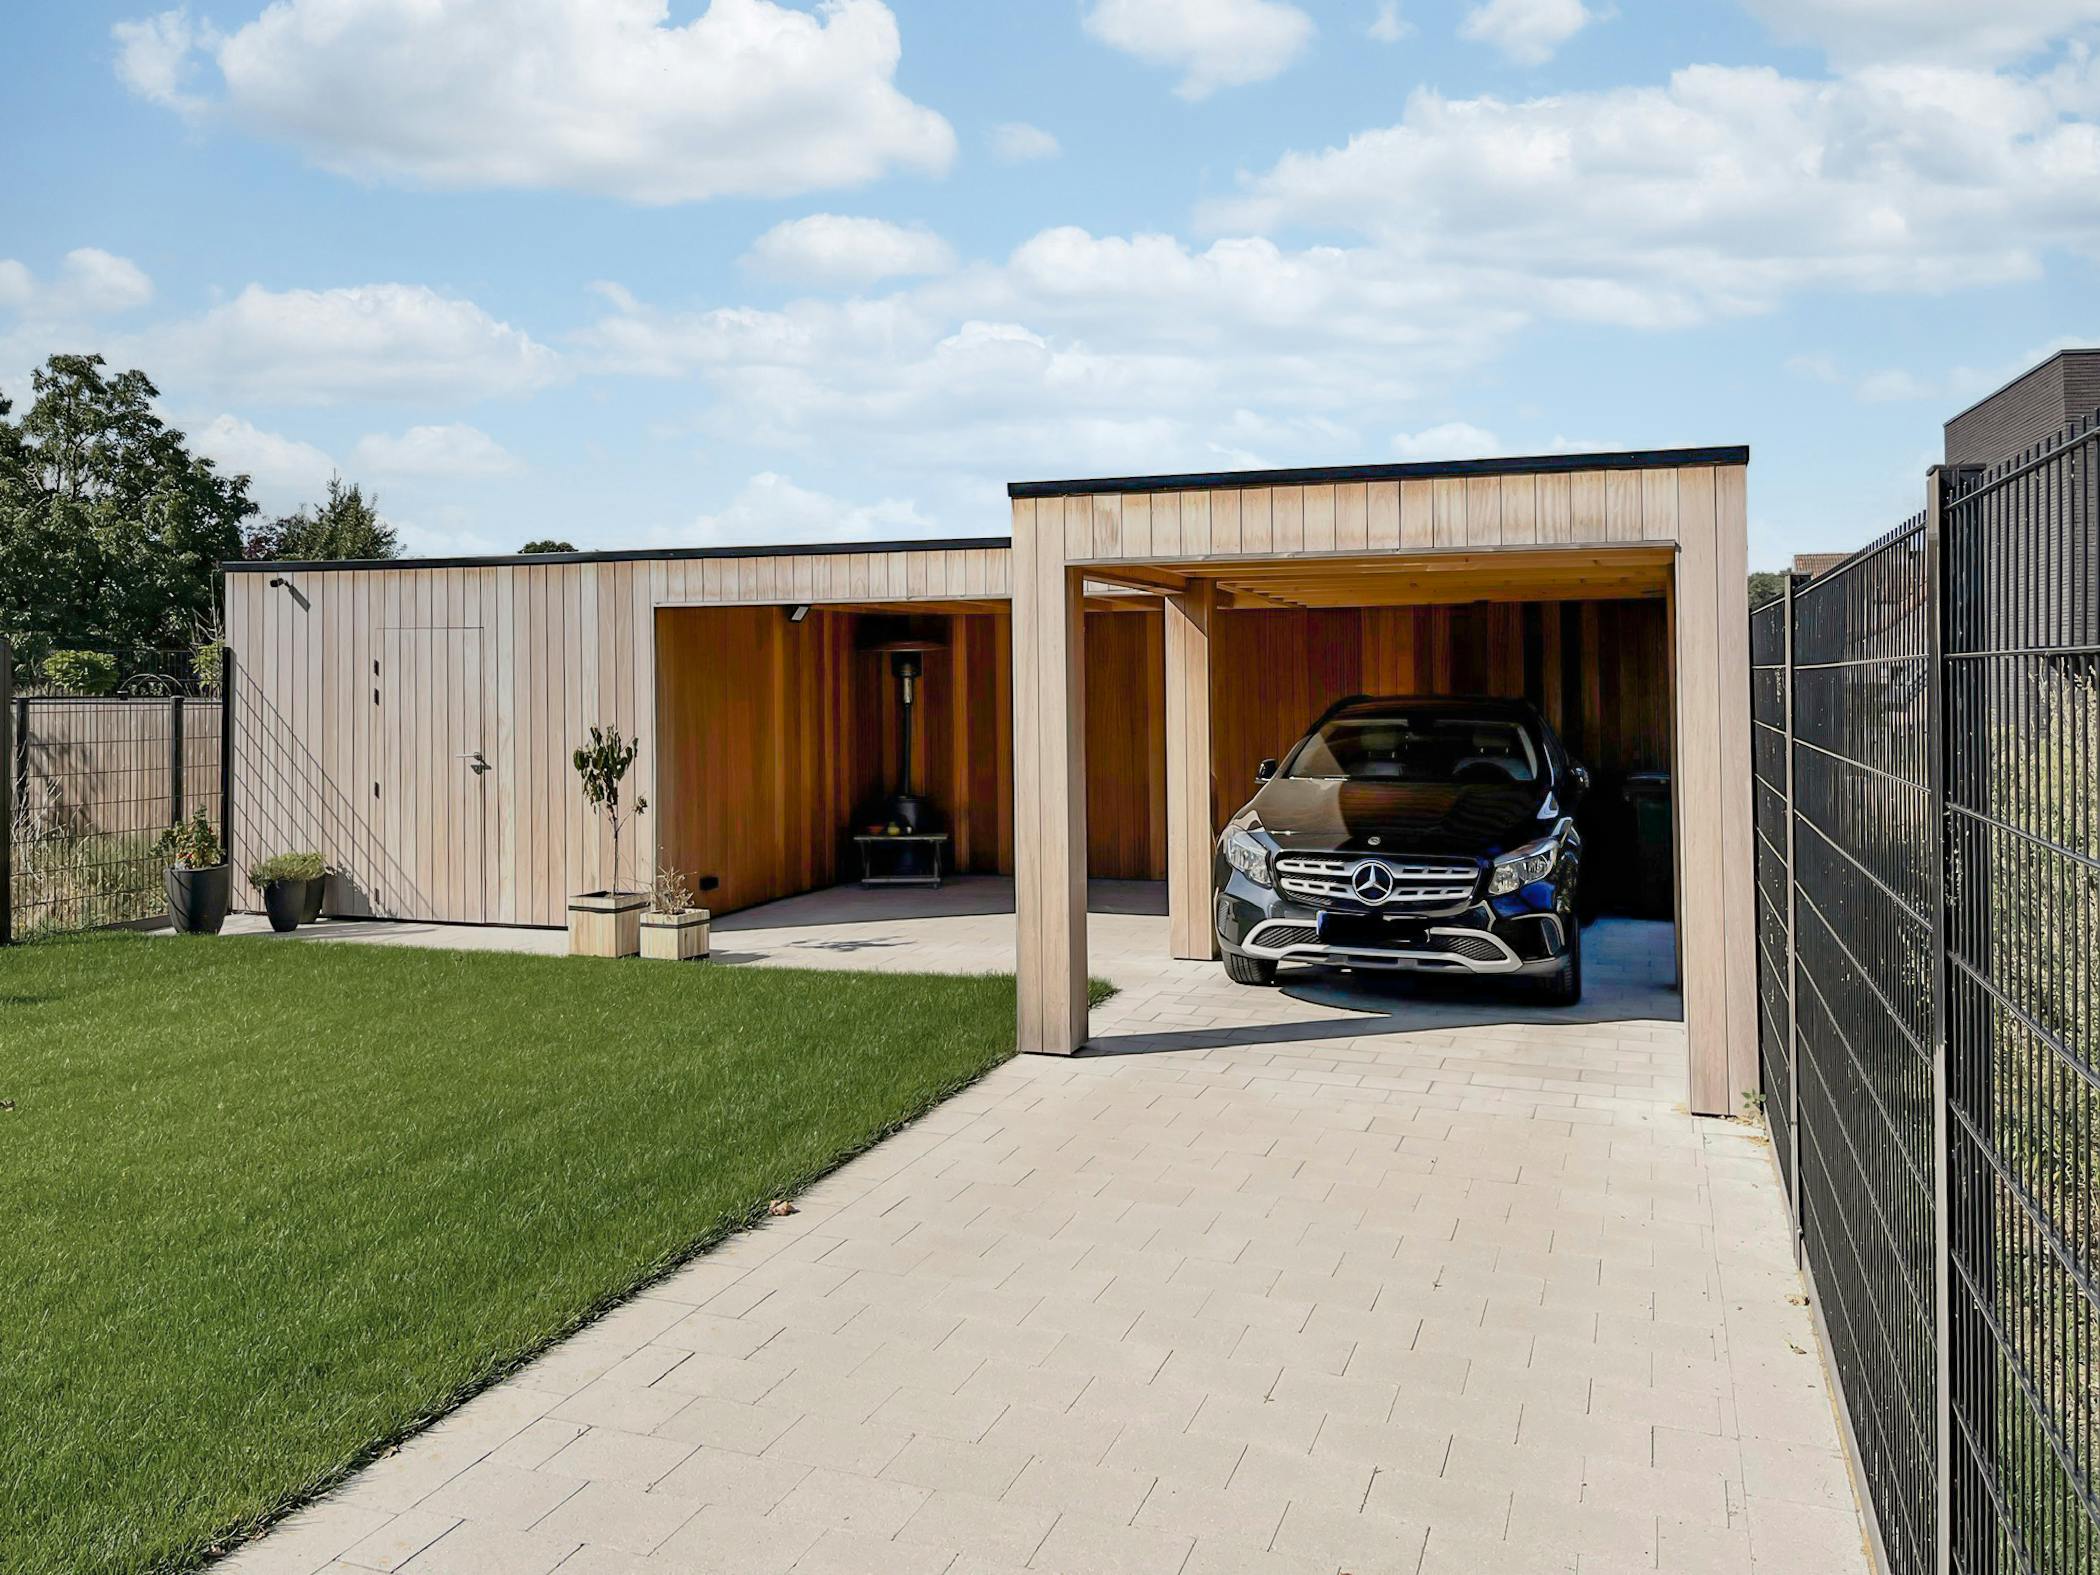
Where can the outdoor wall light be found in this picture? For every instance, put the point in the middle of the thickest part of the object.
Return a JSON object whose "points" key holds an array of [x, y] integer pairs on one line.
{"points": [[798, 612]]}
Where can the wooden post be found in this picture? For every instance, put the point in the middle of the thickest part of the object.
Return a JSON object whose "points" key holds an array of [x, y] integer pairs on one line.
{"points": [[1704, 797], [1049, 679], [1190, 816], [1736, 809]]}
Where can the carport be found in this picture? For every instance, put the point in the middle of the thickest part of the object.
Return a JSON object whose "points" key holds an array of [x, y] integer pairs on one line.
{"points": [[1360, 579]]}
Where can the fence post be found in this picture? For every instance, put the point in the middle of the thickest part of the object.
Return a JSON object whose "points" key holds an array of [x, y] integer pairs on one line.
{"points": [[176, 797], [7, 794], [228, 672], [1793, 918], [1936, 783]]}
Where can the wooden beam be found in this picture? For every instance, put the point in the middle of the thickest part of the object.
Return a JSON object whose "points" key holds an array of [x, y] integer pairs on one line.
{"points": [[1189, 808], [1702, 888]]}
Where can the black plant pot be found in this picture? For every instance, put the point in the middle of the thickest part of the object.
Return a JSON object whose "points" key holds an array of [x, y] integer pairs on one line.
{"points": [[198, 899], [284, 901], [310, 902]]}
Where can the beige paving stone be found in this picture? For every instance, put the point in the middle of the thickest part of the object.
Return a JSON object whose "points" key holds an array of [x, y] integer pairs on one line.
{"points": [[619, 1515], [1455, 1285]]}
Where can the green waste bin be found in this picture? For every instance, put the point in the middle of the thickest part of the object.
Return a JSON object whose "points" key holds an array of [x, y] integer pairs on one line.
{"points": [[1650, 877]]}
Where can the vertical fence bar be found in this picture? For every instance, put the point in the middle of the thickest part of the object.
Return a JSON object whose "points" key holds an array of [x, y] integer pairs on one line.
{"points": [[1936, 783], [1793, 927], [229, 674], [7, 794], [176, 797]]}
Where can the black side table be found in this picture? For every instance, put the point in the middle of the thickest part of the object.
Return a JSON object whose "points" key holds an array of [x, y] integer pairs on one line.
{"points": [[911, 859]]}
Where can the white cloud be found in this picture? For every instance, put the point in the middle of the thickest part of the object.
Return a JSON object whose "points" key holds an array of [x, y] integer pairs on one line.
{"points": [[1527, 31], [1213, 43], [1967, 31], [90, 283], [770, 508], [154, 57], [1719, 193], [751, 97], [832, 248], [1388, 26], [363, 342], [286, 471], [1452, 440], [1017, 142], [443, 452]]}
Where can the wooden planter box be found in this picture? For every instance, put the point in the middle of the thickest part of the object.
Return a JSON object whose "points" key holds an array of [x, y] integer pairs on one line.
{"points": [[606, 923], [675, 937]]}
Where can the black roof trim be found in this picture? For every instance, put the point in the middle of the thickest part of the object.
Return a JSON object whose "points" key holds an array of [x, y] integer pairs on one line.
{"points": [[1540, 464], [659, 555]]}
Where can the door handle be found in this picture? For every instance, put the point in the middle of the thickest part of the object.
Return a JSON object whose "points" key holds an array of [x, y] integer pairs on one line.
{"points": [[480, 761]]}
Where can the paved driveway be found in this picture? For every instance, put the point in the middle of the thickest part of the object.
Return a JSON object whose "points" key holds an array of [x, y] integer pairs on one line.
{"points": [[1311, 1280]]}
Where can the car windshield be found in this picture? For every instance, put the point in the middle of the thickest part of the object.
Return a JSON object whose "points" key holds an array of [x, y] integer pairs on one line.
{"points": [[1428, 748]]}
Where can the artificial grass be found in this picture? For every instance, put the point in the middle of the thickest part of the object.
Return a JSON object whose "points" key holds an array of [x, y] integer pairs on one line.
{"points": [[270, 1205]]}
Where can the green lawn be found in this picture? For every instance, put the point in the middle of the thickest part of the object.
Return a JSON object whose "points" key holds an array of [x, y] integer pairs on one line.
{"points": [[268, 1205]]}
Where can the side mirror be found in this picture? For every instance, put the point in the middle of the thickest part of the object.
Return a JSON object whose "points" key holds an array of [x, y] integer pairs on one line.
{"points": [[1264, 771], [1579, 780]]}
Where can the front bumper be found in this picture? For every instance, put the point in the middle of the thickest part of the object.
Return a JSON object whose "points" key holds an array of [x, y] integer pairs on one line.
{"points": [[1480, 939]]}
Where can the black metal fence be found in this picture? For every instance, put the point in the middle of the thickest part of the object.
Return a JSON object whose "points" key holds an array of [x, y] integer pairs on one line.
{"points": [[105, 749], [1926, 720]]}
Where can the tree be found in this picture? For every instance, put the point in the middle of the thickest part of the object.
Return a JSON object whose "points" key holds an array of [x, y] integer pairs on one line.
{"points": [[548, 544], [111, 531], [1766, 585], [347, 526]]}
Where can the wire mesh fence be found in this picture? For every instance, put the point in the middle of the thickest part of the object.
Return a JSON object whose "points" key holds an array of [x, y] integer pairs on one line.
{"points": [[105, 749], [1927, 717]]}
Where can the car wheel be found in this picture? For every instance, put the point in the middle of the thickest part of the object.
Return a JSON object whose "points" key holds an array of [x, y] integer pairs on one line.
{"points": [[1241, 969], [1563, 986]]}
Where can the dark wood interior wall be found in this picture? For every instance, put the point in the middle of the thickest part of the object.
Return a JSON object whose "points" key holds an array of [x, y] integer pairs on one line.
{"points": [[1599, 670], [778, 738]]}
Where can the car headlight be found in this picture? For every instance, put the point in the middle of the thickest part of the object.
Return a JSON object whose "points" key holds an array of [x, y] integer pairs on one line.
{"points": [[1247, 856], [1514, 871]]}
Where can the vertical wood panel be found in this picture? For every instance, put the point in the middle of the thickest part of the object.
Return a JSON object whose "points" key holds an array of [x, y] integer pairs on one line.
{"points": [[1319, 517]]}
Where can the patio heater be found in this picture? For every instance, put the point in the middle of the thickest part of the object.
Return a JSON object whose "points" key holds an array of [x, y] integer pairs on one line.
{"points": [[903, 830]]}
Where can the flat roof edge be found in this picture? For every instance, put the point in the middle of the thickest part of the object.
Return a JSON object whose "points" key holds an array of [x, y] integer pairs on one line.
{"points": [[1409, 470], [2011, 383], [820, 549]]}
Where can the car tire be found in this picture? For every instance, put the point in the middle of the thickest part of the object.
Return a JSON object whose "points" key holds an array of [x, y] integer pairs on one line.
{"points": [[1242, 969], [1563, 986]]}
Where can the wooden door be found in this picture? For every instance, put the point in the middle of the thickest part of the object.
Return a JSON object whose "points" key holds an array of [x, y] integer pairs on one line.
{"points": [[433, 777]]}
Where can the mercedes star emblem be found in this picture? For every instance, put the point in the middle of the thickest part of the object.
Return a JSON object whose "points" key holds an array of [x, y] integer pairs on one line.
{"points": [[1372, 883]]}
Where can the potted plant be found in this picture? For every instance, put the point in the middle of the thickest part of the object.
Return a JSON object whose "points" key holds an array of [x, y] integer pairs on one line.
{"points": [[607, 923], [286, 882], [199, 880], [673, 930]]}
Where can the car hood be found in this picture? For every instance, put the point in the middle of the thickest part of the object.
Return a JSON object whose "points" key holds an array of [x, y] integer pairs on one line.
{"points": [[1405, 817]]}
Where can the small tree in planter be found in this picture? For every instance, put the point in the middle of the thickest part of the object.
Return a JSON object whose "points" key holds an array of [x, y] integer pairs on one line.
{"points": [[607, 923], [199, 881], [673, 930], [288, 882]]}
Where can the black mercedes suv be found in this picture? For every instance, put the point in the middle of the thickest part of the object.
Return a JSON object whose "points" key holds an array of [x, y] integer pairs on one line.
{"points": [[1436, 835]]}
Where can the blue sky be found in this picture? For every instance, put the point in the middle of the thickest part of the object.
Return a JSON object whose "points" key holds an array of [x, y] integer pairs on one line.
{"points": [[634, 274]]}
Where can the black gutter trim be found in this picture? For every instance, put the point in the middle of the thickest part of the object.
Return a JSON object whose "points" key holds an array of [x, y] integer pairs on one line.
{"points": [[1540, 464], [660, 555]]}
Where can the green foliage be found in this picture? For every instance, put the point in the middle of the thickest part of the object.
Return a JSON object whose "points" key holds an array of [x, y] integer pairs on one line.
{"points": [[603, 764], [346, 526], [209, 663], [80, 672], [286, 866], [193, 843], [549, 544], [111, 531], [274, 1206], [1766, 586]]}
